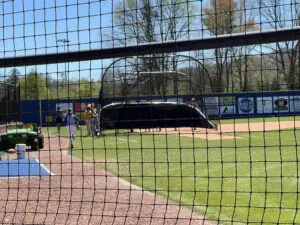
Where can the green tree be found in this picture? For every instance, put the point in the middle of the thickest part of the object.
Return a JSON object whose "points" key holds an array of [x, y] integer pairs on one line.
{"points": [[34, 86], [89, 89], [13, 76]]}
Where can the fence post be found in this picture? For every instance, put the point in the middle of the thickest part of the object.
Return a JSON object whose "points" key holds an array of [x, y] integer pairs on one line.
{"points": [[40, 107]]}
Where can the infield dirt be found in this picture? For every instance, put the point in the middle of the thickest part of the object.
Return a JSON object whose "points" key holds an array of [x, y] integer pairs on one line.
{"points": [[225, 131]]}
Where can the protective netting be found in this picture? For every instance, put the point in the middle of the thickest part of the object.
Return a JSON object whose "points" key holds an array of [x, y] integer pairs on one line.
{"points": [[9, 102], [149, 112], [154, 76]]}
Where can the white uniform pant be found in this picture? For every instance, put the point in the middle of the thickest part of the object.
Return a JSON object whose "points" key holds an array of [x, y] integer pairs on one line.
{"points": [[72, 130], [89, 127]]}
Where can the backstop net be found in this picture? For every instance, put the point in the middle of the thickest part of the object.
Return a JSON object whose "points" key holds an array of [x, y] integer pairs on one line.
{"points": [[154, 76], [72, 63], [9, 103]]}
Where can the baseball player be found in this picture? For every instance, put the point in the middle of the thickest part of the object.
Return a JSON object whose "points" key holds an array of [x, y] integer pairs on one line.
{"points": [[58, 118], [88, 116], [96, 122], [71, 121], [194, 104]]}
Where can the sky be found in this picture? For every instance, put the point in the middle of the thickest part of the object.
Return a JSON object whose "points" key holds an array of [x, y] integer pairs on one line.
{"points": [[40, 23], [30, 27]]}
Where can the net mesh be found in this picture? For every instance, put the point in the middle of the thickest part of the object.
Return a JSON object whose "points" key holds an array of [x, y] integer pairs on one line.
{"points": [[150, 76], [234, 63], [9, 103]]}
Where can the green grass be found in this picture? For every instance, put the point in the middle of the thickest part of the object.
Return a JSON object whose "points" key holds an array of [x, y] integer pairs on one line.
{"points": [[227, 180], [259, 119]]}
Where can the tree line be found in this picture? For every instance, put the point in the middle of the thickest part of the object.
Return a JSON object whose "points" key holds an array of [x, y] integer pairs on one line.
{"points": [[270, 67], [35, 85]]}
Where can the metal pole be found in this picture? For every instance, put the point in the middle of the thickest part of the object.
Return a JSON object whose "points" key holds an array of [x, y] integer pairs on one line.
{"points": [[212, 42], [66, 44], [41, 116]]}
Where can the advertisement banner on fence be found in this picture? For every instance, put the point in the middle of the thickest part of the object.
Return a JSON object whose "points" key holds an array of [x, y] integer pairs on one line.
{"points": [[80, 108], [281, 104], [211, 106], [295, 103], [178, 100], [64, 106], [246, 105], [227, 109], [264, 104]]}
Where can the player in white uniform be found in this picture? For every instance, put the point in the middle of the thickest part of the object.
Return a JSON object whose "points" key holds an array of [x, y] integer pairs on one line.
{"points": [[194, 104], [71, 121]]}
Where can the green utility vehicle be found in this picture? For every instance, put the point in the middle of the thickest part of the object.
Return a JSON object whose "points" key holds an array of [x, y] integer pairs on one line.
{"points": [[20, 133]]}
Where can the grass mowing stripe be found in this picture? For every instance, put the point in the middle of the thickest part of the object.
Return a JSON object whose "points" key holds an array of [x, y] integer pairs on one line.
{"points": [[271, 135], [259, 119], [237, 160]]}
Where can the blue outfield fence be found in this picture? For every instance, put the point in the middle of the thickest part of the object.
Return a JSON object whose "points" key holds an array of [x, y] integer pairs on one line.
{"points": [[235, 105], [43, 112], [239, 105]]}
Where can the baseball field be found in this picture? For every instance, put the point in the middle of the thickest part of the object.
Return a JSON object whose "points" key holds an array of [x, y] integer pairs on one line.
{"points": [[248, 170]]}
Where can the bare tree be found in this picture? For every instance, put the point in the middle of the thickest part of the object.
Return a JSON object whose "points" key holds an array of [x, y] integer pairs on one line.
{"points": [[143, 21], [284, 54], [226, 17]]}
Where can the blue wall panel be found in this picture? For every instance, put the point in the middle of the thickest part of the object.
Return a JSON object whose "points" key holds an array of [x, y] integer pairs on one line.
{"points": [[30, 110], [49, 107]]}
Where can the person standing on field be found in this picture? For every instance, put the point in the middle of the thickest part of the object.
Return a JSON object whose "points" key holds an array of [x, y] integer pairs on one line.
{"points": [[88, 116], [71, 121], [58, 119], [194, 104], [96, 122]]}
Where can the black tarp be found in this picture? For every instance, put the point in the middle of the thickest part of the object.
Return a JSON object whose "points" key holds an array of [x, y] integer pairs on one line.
{"points": [[152, 115]]}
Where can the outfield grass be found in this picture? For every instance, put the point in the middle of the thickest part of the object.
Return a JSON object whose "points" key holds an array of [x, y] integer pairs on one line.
{"points": [[259, 119], [225, 180]]}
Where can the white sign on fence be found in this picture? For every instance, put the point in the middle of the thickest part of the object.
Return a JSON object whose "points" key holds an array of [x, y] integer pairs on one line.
{"points": [[64, 106], [264, 104], [246, 105], [295, 103], [211, 106], [227, 109], [281, 104]]}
